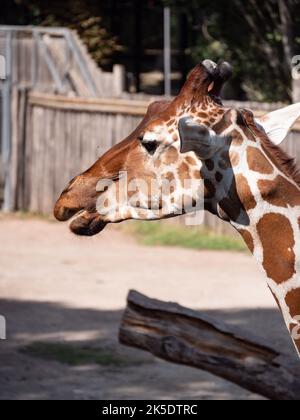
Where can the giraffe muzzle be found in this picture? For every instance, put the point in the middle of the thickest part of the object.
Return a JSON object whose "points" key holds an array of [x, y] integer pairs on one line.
{"points": [[87, 224], [63, 213]]}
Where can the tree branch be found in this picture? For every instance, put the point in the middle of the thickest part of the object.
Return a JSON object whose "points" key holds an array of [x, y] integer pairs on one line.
{"points": [[183, 336]]}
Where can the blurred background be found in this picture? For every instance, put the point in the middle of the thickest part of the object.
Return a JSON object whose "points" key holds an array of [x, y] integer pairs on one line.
{"points": [[258, 38], [79, 76]]}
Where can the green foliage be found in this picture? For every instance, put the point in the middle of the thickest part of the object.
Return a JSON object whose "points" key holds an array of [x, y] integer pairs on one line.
{"points": [[80, 15], [258, 38], [159, 233]]}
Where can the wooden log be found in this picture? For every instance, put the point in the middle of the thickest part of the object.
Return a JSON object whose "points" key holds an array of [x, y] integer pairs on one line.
{"points": [[180, 335]]}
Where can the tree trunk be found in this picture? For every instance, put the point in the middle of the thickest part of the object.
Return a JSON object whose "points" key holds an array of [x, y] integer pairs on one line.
{"points": [[184, 336], [286, 31]]}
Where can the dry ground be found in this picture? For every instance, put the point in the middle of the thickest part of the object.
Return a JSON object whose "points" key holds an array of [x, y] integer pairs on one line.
{"points": [[55, 287]]}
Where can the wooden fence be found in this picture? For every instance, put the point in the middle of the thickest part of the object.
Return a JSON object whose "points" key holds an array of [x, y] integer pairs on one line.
{"points": [[57, 137], [49, 60], [56, 60]]}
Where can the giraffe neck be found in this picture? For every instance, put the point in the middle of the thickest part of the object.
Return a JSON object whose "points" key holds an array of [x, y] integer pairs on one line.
{"points": [[273, 237], [263, 204]]}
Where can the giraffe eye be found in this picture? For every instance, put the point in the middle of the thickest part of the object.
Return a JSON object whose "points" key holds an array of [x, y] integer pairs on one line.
{"points": [[150, 146]]}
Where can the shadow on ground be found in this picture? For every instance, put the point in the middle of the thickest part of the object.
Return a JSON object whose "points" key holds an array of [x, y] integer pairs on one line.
{"points": [[137, 376]]}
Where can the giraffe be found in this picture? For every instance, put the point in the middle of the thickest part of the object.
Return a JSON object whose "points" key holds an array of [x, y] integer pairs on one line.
{"points": [[257, 190], [246, 179]]}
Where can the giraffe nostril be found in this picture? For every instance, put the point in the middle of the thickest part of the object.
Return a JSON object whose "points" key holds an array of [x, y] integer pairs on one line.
{"points": [[63, 213]]}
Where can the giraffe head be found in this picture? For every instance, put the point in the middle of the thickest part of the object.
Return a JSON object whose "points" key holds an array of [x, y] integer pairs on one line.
{"points": [[146, 177], [242, 165]]}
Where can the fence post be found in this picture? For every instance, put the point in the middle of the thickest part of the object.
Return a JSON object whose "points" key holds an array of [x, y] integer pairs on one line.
{"points": [[2, 328], [118, 79], [6, 123], [167, 50]]}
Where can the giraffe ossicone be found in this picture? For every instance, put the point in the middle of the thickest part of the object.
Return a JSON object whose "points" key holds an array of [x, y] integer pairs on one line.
{"points": [[246, 179]]}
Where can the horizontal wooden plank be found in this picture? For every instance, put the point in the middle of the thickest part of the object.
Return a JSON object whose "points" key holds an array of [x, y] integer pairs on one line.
{"points": [[104, 105], [56, 31]]}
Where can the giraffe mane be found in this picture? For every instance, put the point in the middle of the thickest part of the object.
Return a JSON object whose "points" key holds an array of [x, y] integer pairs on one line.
{"points": [[282, 159]]}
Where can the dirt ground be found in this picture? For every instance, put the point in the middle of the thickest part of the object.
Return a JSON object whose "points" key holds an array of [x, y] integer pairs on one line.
{"points": [[55, 287]]}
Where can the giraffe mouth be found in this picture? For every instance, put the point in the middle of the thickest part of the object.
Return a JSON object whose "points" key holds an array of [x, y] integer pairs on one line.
{"points": [[85, 223]]}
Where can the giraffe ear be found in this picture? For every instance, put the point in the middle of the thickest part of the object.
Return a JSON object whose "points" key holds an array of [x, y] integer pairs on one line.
{"points": [[277, 124], [198, 138]]}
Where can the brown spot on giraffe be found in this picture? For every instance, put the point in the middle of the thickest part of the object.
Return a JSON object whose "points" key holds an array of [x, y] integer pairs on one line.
{"points": [[202, 115], [190, 161], [157, 163], [196, 175], [170, 177], [280, 192], [236, 137], [184, 173], [171, 122], [248, 239], [293, 302], [257, 162], [172, 187], [175, 137], [171, 156], [234, 159], [244, 192], [277, 238]]}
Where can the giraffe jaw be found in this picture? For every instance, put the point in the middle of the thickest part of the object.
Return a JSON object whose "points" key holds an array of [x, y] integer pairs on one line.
{"points": [[87, 224]]}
